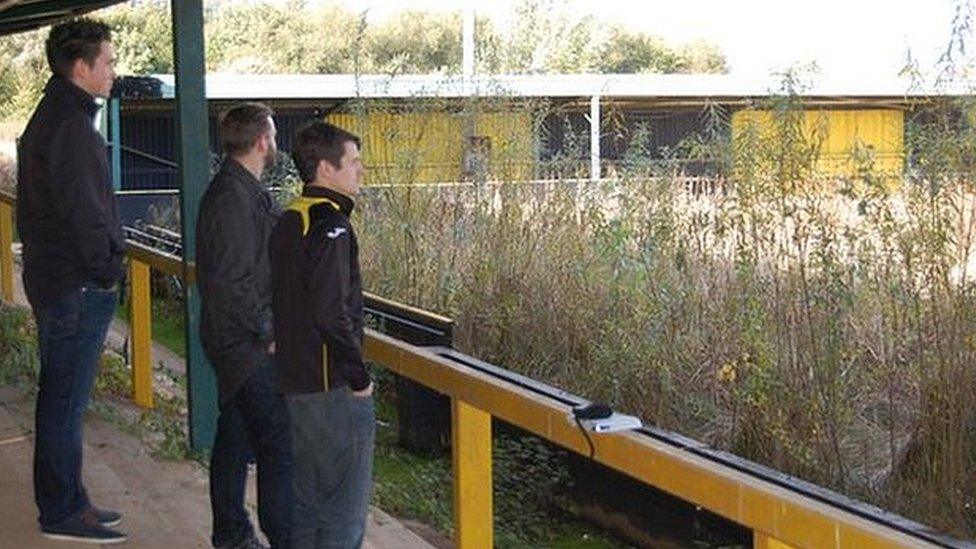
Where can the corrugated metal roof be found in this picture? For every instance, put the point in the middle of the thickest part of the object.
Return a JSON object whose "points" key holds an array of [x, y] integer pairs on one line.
{"points": [[24, 15], [346, 86]]}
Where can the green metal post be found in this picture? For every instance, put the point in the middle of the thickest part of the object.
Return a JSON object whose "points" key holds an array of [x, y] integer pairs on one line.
{"points": [[115, 129], [194, 160]]}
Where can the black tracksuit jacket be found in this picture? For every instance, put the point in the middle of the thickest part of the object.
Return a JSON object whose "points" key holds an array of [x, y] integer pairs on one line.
{"points": [[318, 295], [67, 217]]}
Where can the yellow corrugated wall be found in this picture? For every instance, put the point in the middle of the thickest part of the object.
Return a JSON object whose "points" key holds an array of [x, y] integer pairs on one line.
{"points": [[428, 146], [512, 157], [881, 131]]}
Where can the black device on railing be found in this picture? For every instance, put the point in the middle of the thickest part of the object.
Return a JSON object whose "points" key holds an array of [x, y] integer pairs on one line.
{"points": [[592, 411]]}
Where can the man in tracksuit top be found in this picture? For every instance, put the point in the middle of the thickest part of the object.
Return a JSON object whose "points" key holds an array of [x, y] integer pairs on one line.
{"points": [[318, 317]]}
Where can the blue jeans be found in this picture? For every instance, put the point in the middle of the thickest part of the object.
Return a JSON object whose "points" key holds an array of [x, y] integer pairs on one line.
{"points": [[253, 422], [70, 336], [333, 435]]}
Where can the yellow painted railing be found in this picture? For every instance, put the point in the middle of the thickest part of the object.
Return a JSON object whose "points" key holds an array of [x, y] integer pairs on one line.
{"points": [[7, 202], [779, 517], [141, 260]]}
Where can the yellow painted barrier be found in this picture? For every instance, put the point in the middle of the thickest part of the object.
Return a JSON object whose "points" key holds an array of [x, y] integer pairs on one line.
{"points": [[471, 456], [142, 260], [6, 250], [771, 511], [140, 328]]}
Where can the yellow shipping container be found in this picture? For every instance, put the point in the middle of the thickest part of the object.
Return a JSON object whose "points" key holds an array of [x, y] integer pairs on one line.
{"points": [[845, 134], [430, 146]]}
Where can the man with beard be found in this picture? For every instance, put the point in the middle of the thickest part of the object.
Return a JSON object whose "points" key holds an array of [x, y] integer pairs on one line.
{"points": [[233, 270]]}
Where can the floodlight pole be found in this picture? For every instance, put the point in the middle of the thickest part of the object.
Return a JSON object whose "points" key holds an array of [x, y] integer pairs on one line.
{"points": [[467, 72], [595, 138], [467, 48]]}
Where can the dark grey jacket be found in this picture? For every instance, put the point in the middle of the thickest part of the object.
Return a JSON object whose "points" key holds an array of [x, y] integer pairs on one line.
{"points": [[234, 274], [67, 217]]}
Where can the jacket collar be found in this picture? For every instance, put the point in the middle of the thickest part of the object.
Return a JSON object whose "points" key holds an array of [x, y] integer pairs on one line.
{"points": [[345, 203], [62, 88], [238, 172]]}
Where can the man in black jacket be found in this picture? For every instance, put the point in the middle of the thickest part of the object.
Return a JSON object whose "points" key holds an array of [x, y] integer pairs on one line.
{"points": [[68, 222], [234, 274], [318, 314]]}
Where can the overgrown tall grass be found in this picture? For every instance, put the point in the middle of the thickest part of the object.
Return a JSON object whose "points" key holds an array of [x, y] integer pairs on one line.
{"points": [[822, 324]]}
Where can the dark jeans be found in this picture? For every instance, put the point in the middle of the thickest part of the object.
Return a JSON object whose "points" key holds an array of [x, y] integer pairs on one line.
{"points": [[253, 422], [70, 336], [333, 435]]}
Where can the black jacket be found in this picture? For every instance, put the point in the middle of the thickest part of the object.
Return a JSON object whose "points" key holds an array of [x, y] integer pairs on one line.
{"points": [[67, 216], [318, 295], [234, 274]]}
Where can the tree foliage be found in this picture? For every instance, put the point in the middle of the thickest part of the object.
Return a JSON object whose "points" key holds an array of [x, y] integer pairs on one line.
{"points": [[543, 37], [142, 37], [416, 42]]}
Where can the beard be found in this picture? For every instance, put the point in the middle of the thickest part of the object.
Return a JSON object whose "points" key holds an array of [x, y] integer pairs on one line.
{"points": [[269, 159]]}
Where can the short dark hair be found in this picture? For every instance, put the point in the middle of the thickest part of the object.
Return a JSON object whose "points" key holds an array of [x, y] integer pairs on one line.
{"points": [[240, 126], [318, 141], [74, 40]]}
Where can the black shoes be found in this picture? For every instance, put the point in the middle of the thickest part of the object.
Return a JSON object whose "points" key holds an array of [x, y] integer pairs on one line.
{"points": [[106, 518], [87, 527], [251, 543]]}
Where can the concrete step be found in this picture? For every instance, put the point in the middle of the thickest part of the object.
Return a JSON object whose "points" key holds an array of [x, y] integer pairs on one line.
{"points": [[165, 503]]}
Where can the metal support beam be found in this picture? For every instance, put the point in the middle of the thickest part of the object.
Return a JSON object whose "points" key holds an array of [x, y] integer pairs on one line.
{"points": [[467, 45], [467, 70], [115, 135], [473, 516], [194, 160], [595, 138]]}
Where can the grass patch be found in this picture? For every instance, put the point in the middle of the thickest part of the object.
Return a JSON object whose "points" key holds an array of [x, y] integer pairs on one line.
{"points": [[168, 328], [19, 362]]}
